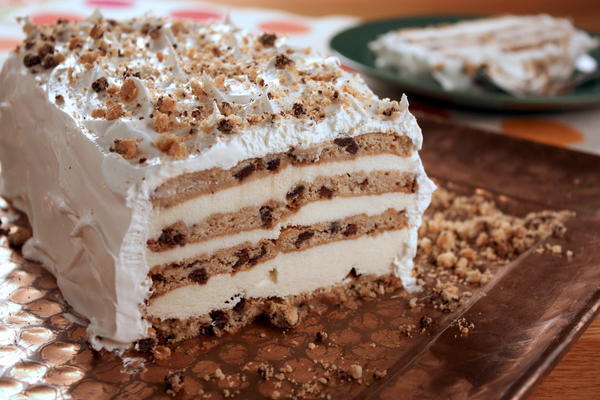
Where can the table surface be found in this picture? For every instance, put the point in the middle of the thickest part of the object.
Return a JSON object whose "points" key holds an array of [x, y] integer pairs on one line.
{"points": [[576, 375]]}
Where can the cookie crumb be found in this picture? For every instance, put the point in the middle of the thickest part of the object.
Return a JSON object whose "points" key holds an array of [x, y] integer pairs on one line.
{"points": [[127, 148], [128, 91], [161, 353], [356, 371], [283, 315], [174, 383], [219, 374]]}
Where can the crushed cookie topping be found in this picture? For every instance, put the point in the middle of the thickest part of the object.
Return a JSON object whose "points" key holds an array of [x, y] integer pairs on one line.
{"points": [[282, 61], [99, 85], [204, 80], [298, 110], [225, 125], [97, 32], [125, 147], [128, 91], [267, 39]]}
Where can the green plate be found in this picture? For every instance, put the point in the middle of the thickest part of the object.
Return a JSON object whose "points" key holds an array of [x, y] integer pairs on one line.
{"points": [[351, 45]]}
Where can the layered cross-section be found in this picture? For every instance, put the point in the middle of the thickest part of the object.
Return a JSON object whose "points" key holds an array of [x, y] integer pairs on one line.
{"points": [[283, 225]]}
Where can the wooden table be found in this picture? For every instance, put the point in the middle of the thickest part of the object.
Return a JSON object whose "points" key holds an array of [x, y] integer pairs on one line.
{"points": [[577, 376]]}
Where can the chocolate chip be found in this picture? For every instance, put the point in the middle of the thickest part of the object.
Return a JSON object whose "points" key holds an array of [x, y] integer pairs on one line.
{"points": [[99, 85], [267, 39], [348, 144], [145, 345], [334, 227], [266, 216], [46, 49], [31, 60], [157, 278], [425, 322], [199, 275], [197, 113], [325, 192], [49, 62], [172, 237], [363, 185], [219, 319], [297, 191], [254, 260], [273, 165], [298, 110], [281, 61], [353, 273], [245, 172], [29, 44], [240, 305], [242, 258], [351, 229], [225, 126], [303, 237]]}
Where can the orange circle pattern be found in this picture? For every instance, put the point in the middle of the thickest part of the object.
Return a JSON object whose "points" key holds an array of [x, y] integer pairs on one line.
{"points": [[542, 130], [287, 27]]}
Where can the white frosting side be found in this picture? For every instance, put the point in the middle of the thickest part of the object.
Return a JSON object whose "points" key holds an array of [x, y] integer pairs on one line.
{"points": [[89, 207], [89, 236], [520, 54]]}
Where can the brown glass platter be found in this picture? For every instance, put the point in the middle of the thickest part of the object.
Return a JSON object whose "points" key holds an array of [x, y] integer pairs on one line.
{"points": [[525, 318]]}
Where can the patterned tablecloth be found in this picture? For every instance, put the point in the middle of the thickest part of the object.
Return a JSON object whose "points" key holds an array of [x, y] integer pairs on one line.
{"points": [[578, 130]]}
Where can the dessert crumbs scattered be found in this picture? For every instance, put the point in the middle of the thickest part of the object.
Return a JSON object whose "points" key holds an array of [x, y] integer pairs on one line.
{"points": [[174, 383], [219, 374], [412, 303], [161, 353], [569, 254], [356, 371], [380, 374], [464, 327]]}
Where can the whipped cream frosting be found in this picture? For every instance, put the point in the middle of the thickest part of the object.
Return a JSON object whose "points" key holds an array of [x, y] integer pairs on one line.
{"points": [[523, 55], [88, 201]]}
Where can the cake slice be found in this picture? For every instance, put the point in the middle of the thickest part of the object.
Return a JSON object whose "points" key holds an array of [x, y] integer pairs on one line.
{"points": [[522, 55], [182, 179]]}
